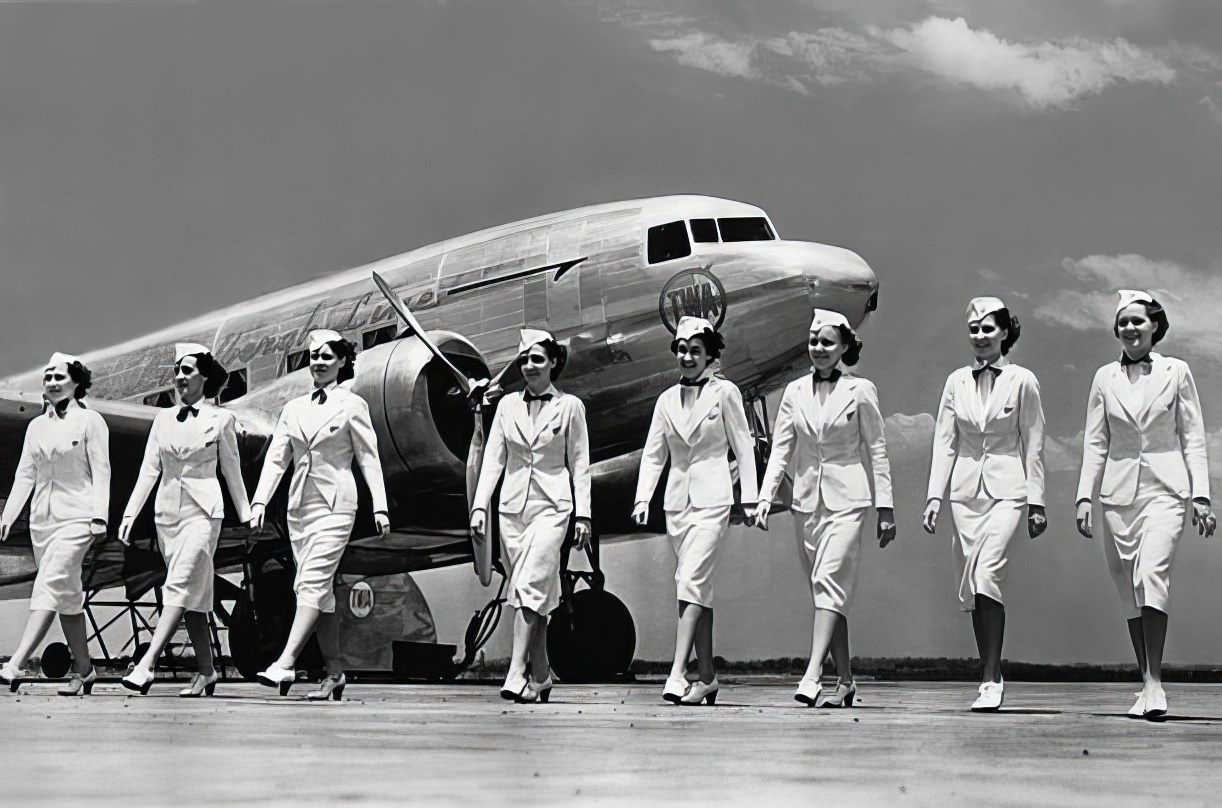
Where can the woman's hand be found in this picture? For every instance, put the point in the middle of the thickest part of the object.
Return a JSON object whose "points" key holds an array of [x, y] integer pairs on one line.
{"points": [[1037, 522], [640, 513], [256, 518], [759, 517], [886, 526], [930, 518], [381, 523], [1084, 519], [477, 523], [97, 527], [4, 529], [125, 530], [1203, 518], [583, 531]]}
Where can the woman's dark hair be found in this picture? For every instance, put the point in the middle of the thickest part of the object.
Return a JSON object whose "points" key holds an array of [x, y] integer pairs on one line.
{"points": [[214, 373], [852, 346], [1004, 319], [714, 343], [557, 352], [344, 350], [82, 376], [1157, 316]]}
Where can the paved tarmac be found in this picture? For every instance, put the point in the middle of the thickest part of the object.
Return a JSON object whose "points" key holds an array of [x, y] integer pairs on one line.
{"points": [[459, 744]]}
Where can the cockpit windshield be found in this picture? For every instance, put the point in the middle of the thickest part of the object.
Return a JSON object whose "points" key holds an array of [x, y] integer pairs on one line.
{"points": [[745, 228]]}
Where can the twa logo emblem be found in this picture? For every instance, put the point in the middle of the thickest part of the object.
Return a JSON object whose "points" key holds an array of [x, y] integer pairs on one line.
{"points": [[360, 599], [692, 293]]}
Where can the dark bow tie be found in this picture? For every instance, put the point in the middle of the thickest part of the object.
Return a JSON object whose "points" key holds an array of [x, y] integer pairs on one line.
{"points": [[60, 408], [996, 371], [529, 397], [686, 382], [1125, 360], [830, 378], [319, 395], [186, 410]]}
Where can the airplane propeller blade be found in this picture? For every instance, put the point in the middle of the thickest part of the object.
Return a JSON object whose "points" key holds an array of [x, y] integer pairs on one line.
{"points": [[405, 314]]}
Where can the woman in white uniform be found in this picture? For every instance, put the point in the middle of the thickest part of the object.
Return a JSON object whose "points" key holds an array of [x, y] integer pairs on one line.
{"points": [[539, 442], [65, 464], [320, 433], [827, 426], [988, 447], [1144, 452], [695, 425], [185, 444]]}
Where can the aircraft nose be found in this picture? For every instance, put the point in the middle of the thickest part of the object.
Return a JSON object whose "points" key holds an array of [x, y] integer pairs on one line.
{"points": [[840, 280]]}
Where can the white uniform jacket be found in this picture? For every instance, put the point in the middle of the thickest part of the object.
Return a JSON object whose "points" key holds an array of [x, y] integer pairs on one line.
{"points": [[185, 455], [66, 465], [1150, 428], [322, 443], [999, 443], [552, 451], [697, 441], [827, 447]]}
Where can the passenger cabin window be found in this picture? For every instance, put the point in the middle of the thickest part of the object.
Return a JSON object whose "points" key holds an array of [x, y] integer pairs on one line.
{"points": [[235, 387], [296, 360], [377, 336], [704, 230], [161, 398], [668, 242], [745, 228]]}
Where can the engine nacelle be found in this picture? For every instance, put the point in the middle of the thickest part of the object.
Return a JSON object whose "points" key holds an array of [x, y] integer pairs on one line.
{"points": [[421, 416]]}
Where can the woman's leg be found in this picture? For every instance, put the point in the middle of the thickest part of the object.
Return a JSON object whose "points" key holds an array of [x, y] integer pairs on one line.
{"points": [[824, 630], [35, 629], [685, 637], [989, 622], [540, 665], [304, 621], [73, 626], [703, 641], [327, 631], [201, 641], [1138, 638], [167, 624], [524, 622], [1154, 633], [840, 649]]}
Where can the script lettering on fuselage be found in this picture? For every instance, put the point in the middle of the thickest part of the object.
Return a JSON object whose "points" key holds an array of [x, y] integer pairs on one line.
{"points": [[695, 293]]}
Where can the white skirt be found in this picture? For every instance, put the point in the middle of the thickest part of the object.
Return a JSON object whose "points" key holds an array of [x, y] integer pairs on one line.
{"points": [[318, 537], [530, 550], [983, 530], [188, 546], [1144, 537], [694, 535], [830, 547], [59, 553]]}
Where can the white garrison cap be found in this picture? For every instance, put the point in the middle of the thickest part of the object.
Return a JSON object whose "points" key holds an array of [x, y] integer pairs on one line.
{"points": [[322, 336], [692, 326], [980, 307], [58, 358], [826, 317], [184, 349], [532, 336], [1130, 296]]}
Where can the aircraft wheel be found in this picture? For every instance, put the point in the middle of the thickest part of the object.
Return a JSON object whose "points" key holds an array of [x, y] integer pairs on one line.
{"points": [[56, 661], [597, 644], [260, 627]]}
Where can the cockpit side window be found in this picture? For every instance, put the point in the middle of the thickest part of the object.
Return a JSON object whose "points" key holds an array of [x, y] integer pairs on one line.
{"points": [[745, 228], [668, 241], [704, 230]]}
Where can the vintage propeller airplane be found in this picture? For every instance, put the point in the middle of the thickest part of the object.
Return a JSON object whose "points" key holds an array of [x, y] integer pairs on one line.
{"points": [[610, 281]]}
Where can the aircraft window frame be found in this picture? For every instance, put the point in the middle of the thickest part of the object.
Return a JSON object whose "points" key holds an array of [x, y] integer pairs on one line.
{"points": [[655, 254], [163, 398], [736, 236], [296, 360], [707, 236], [379, 336], [233, 391]]}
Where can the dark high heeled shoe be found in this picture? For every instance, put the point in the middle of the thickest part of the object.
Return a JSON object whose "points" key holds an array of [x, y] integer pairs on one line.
{"points": [[202, 684], [140, 679], [80, 685], [331, 687], [275, 676]]}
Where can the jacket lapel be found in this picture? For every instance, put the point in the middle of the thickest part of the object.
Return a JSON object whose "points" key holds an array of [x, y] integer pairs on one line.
{"points": [[520, 413], [334, 412], [1003, 384], [1155, 383], [705, 399], [1125, 392], [837, 402], [969, 398], [542, 425], [808, 404]]}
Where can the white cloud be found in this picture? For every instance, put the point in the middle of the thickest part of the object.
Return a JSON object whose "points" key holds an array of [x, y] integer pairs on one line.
{"points": [[1043, 74], [1211, 106], [711, 53]]}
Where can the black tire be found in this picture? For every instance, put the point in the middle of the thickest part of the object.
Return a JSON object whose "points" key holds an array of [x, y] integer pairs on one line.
{"points": [[56, 661], [591, 638]]}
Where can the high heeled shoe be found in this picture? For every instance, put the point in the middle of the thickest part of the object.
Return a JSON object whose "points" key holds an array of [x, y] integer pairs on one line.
{"points": [[12, 676], [842, 695], [275, 676], [675, 690], [511, 690], [331, 687], [139, 679], [202, 684], [536, 691], [808, 692], [991, 696], [1138, 710], [1156, 705], [702, 692], [80, 685]]}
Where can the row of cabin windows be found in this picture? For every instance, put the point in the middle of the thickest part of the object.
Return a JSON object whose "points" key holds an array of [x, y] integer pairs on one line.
{"points": [[669, 241], [238, 383]]}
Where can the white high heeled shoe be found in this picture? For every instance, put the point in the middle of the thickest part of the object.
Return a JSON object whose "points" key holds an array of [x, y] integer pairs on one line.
{"points": [[80, 685], [1138, 710], [808, 691], [1156, 704], [275, 676], [991, 696], [201, 685], [140, 679], [702, 692], [675, 689]]}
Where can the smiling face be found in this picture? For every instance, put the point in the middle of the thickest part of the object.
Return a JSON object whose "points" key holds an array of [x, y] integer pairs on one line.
{"points": [[826, 347], [536, 368], [188, 381], [1135, 330], [986, 337], [692, 356], [325, 365], [57, 384]]}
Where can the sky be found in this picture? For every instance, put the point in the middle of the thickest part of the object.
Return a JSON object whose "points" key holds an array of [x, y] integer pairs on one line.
{"points": [[162, 160]]}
